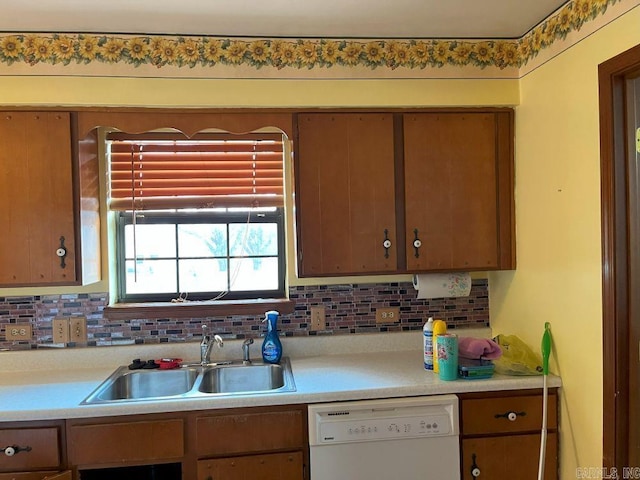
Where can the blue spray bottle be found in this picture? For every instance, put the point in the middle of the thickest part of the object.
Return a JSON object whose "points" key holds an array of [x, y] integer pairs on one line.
{"points": [[271, 346]]}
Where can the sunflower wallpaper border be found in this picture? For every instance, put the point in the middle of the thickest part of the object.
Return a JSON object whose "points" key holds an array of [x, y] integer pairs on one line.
{"points": [[189, 52]]}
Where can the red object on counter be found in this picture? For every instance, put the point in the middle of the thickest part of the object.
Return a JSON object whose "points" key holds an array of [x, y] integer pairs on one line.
{"points": [[169, 363]]}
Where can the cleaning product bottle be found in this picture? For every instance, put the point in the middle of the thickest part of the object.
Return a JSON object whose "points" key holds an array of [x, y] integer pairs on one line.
{"points": [[427, 332], [271, 346], [439, 328]]}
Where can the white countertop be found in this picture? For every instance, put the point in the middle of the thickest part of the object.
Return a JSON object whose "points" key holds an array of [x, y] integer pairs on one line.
{"points": [[47, 385]]}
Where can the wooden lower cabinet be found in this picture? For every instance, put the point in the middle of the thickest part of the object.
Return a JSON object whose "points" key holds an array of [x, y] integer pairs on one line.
{"points": [[39, 451], [273, 466], [500, 438], [500, 435], [237, 432], [129, 442], [252, 444], [255, 443], [508, 456]]}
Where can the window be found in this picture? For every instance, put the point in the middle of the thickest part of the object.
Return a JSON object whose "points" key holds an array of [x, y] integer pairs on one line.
{"points": [[198, 219]]}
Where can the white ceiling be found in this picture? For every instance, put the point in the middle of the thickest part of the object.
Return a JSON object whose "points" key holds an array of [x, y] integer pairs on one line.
{"points": [[281, 18]]}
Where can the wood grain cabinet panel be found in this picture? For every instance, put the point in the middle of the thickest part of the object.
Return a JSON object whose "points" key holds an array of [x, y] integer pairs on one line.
{"points": [[507, 414], [250, 432], [501, 435], [345, 193], [273, 466], [41, 199], [397, 192], [514, 457], [43, 446], [458, 191], [126, 442]]}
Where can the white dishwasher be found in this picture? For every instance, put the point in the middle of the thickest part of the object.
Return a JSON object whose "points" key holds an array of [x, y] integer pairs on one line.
{"points": [[414, 438]]}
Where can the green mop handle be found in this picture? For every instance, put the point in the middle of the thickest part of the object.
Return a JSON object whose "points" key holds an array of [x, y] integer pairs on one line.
{"points": [[546, 352], [546, 348]]}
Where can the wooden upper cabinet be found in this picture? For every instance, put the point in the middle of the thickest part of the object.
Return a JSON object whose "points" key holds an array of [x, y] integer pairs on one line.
{"points": [[39, 201], [458, 195], [345, 193], [437, 186]]}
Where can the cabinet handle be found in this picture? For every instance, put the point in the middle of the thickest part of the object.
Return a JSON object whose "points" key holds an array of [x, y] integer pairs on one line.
{"points": [[417, 243], [62, 253], [511, 415], [11, 450], [475, 470], [386, 243]]}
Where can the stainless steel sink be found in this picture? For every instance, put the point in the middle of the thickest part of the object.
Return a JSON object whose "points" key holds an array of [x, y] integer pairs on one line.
{"points": [[126, 385], [234, 379]]}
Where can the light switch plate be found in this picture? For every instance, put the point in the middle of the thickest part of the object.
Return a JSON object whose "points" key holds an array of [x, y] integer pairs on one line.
{"points": [[318, 319], [78, 329], [60, 327]]}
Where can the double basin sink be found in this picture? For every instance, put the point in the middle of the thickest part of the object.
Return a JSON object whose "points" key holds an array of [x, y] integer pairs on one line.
{"points": [[193, 381]]}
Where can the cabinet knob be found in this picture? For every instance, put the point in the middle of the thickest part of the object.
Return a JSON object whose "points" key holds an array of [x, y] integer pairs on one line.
{"points": [[475, 470], [510, 415], [61, 252], [11, 450], [386, 243], [417, 243]]}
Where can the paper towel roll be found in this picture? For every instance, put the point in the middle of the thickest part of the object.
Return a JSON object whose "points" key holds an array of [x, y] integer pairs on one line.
{"points": [[442, 285]]}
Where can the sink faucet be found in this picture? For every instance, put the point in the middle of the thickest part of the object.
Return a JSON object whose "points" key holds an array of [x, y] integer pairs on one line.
{"points": [[245, 351], [207, 344]]}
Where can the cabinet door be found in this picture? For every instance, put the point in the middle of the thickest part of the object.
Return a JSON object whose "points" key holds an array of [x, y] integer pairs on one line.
{"points": [[458, 197], [514, 457], [36, 198], [275, 466], [236, 433], [345, 194], [508, 414], [36, 448], [125, 443]]}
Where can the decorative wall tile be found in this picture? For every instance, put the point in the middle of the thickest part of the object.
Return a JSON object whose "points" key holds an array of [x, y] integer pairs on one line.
{"points": [[349, 309]]}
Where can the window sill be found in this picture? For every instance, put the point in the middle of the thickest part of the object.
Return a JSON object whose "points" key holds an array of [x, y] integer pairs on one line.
{"points": [[196, 309]]}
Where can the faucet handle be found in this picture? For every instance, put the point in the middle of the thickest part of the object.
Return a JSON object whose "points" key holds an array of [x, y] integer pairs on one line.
{"points": [[246, 360], [218, 340]]}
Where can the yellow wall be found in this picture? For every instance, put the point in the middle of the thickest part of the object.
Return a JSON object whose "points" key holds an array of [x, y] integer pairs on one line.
{"points": [[161, 92], [558, 278]]}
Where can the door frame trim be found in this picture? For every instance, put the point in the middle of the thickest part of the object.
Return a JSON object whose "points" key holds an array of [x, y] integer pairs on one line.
{"points": [[615, 252]]}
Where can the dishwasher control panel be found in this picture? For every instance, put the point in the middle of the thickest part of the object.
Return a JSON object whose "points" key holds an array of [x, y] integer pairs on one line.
{"points": [[391, 419], [385, 428]]}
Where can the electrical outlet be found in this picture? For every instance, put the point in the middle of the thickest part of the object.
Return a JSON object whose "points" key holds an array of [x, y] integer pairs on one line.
{"points": [[18, 331], [78, 329], [60, 330], [388, 315], [318, 319]]}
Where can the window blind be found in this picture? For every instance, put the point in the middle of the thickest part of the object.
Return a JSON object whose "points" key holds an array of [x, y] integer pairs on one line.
{"points": [[156, 171]]}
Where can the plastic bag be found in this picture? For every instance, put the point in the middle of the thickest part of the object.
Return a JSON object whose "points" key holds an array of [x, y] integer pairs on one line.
{"points": [[517, 357]]}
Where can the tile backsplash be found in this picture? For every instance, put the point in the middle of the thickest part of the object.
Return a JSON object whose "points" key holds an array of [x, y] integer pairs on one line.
{"points": [[349, 309]]}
